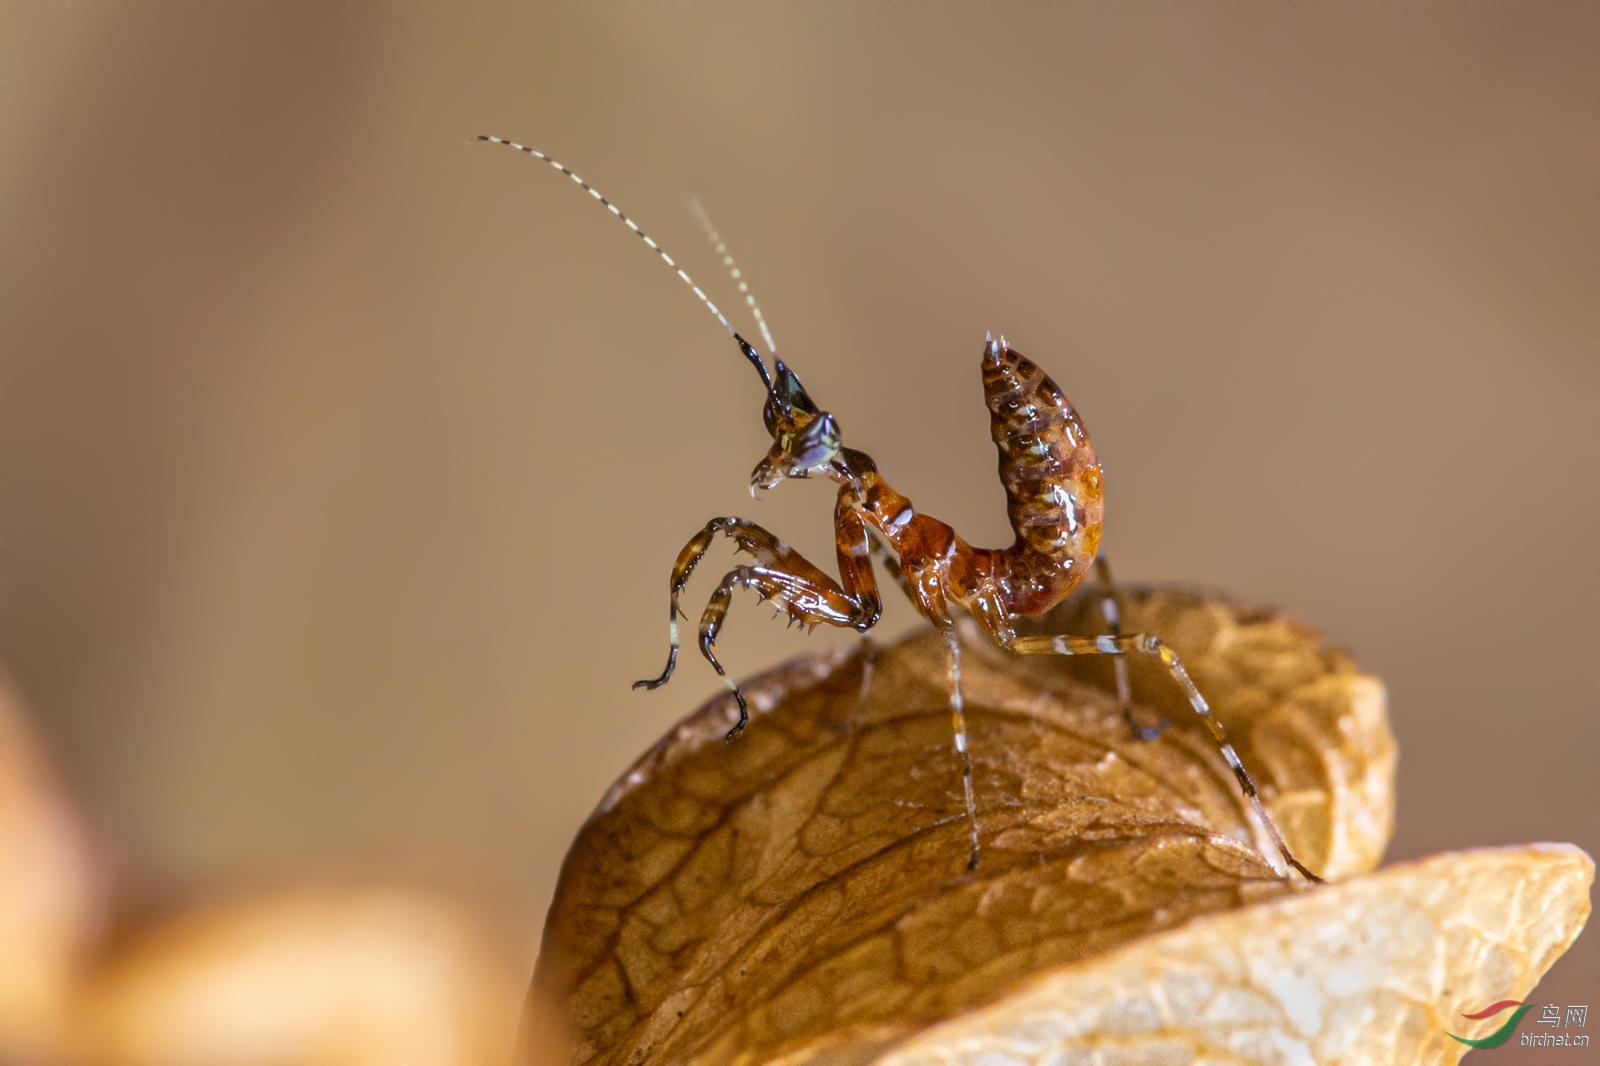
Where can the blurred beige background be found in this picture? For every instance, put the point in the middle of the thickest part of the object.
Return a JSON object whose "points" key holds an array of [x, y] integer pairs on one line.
{"points": [[344, 461]]}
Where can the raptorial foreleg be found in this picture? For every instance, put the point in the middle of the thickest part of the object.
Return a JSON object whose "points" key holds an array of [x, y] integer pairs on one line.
{"points": [[1146, 644], [799, 588], [810, 599]]}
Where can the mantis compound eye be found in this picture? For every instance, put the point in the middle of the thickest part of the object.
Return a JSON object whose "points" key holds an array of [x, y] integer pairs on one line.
{"points": [[787, 402], [801, 452], [816, 445]]}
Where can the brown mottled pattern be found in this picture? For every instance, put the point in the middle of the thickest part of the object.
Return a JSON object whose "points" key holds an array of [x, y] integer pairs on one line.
{"points": [[808, 885], [1054, 495]]}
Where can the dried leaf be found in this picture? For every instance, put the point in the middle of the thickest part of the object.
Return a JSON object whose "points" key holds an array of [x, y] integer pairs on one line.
{"points": [[335, 976], [1374, 970], [803, 892], [51, 897]]}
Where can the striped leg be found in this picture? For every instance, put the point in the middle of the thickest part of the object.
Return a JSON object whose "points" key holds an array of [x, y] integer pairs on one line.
{"points": [[1145, 644], [688, 559], [1113, 617], [958, 722]]}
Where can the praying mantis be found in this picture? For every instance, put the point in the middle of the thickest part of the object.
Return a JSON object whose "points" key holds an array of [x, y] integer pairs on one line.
{"points": [[1055, 500]]}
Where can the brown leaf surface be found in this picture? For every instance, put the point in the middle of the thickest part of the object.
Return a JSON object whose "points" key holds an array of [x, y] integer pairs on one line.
{"points": [[1373, 970], [803, 892]]}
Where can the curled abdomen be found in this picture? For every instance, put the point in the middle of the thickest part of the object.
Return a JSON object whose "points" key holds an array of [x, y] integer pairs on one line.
{"points": [[1054, 494]]}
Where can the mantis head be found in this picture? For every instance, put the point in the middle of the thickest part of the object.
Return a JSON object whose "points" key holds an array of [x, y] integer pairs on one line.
{"points": [[805, 440]]}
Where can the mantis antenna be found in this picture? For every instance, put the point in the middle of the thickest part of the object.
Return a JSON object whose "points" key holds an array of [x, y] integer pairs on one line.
{"points": [[721, 249], [626, 221]]}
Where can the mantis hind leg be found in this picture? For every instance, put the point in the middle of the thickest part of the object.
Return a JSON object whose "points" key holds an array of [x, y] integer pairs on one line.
{"points": [[1112, 614], [1145, 644]]}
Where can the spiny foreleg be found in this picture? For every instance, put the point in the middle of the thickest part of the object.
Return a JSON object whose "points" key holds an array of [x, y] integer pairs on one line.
{"points": [[1145, 644], [798, 587], [810, 600]]}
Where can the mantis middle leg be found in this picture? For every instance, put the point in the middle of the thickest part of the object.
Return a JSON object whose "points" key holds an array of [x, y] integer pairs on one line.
{"points": [[1112, 614]]}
